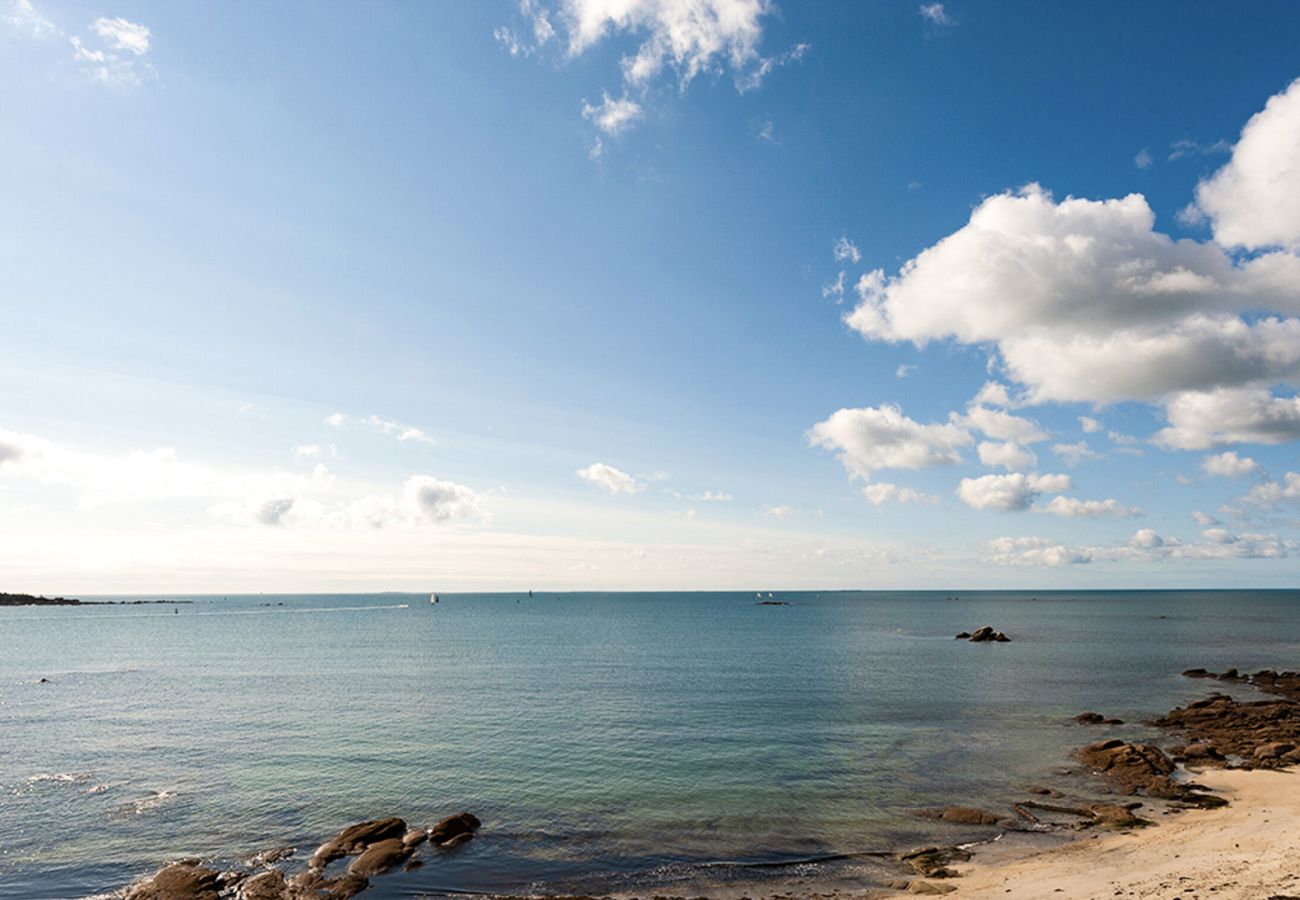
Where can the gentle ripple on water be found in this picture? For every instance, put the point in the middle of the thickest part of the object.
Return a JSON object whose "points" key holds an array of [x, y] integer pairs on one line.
{"points": [[608, 741]]}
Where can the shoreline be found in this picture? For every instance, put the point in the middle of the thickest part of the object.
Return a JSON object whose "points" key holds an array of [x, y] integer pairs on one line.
{"points": [[1247, 850], [1217, 780]]}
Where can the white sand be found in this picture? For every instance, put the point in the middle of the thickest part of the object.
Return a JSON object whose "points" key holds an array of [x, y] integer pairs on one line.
{"points": [[1247, 851]]}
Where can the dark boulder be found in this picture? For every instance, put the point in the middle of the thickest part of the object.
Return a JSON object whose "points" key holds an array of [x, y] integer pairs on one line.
{"points": [[179, 881], [380, 857], [452, 827], [356, 838], [1093, 718]]}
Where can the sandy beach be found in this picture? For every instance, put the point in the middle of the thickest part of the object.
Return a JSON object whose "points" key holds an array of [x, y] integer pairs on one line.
{"points": [[1249, 850]]}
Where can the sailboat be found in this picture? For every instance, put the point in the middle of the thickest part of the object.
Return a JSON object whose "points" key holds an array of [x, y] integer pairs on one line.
{"points": [[433, 599]]}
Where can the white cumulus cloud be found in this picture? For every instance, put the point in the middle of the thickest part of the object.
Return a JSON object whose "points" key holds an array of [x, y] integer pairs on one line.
{"points": [[1254, 200], [872, 438], [1229, 465], [442, 501], [610, 479], [1009, 455], [1009, 493]]}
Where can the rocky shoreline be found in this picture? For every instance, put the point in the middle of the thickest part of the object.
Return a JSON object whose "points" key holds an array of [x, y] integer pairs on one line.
{"points": [[1119, 778], [32, 600], [378, 846]]}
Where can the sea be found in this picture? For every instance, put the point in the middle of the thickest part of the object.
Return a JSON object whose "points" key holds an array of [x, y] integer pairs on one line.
{"points": [[631, 743]]}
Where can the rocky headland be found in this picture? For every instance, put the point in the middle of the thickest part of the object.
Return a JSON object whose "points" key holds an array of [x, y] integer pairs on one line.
{"points": [[32, 600]]}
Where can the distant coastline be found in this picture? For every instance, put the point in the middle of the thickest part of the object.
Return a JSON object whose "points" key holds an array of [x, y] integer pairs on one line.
{"points": [[30, 600]]}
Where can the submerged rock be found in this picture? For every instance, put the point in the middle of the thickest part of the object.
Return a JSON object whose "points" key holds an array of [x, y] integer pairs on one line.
{"points": [[453, 827], [1093, 718], [963, 815], [932, 862]]}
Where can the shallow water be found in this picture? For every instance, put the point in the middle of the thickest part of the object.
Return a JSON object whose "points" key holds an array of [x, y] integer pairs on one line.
{"points": [[609, 742]]}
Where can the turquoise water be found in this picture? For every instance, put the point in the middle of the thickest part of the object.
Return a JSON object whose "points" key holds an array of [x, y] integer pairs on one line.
{"points": [[607, 741]]}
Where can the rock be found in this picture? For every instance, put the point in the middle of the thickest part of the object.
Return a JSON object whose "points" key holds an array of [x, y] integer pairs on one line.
{"points": [[925, 887], [313, 884], [179, 881], [1198, 673], [230, 878], [267, 857], [452, 827], [963, 635], [1240, 729], [1116, 817], [1272, 750], [932, 862], [414, 837], [1230, 675], [968, 815], [983, 633], [1001, 638], [268, 885], [379, 857], [356, 838], [1201, 750], [1093, 718]]}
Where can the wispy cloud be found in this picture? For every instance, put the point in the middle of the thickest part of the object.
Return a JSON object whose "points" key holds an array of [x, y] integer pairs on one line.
{"points": [[388, 427], [936, 15], [610, 479], [114, 55], [25, 18], [688, 37], [613, 116]]}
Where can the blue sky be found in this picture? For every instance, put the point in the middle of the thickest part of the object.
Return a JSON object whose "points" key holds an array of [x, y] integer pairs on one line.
{"points": [[498, 295]]}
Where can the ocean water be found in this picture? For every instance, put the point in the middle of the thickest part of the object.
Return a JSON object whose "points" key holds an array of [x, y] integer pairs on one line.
{"points": [[609, 742]]}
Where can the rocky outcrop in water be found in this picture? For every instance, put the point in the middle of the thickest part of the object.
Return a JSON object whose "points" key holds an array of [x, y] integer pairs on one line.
{"points": [[1221, 731], [983, 634], [379, 845], [1094, 718], [963, 815], [1133, 768]]}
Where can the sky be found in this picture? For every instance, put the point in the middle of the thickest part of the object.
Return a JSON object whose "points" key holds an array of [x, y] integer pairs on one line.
{"points": [[648, 295]]}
